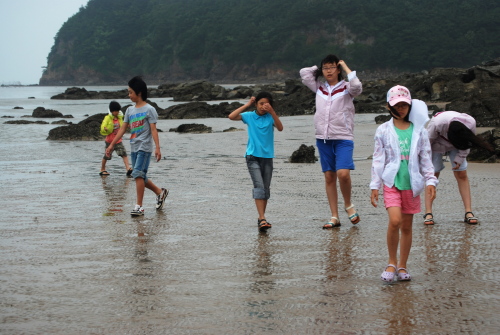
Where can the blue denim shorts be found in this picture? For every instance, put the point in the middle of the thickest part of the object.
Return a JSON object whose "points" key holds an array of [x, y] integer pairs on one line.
{"points": [[261, 172], [437, 161], [140, 164], [335, 154]]}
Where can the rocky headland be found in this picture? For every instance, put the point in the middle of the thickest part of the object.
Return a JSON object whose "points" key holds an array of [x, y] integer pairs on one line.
{"points": [[473, 90]]}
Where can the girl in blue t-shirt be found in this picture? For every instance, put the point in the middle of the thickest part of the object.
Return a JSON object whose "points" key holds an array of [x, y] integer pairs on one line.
{"points": [[260, 148]]}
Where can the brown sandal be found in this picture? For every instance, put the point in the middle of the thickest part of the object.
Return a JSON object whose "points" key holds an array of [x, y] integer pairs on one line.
{"points": [[428, 221], [263, 224]]}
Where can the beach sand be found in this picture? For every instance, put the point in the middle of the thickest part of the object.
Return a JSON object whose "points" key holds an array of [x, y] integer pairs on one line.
{"points": [[75, 262]]}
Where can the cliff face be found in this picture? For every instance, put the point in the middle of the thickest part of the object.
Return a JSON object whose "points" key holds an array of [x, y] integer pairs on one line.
{"points": [[109, 41], [83, 75]]}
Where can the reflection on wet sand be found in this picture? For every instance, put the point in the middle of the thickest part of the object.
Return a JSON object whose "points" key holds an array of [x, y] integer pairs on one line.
{"points": [[74, 260], [400, 314], [340, 254]]}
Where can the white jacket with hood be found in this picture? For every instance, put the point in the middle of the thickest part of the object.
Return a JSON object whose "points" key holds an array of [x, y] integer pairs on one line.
{"points": [[387, 154], [334, 117]]}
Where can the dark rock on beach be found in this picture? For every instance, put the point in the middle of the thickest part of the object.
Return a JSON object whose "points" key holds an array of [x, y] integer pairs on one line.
{"points": [[46, 113], [18, 107], [483, 155], [198, 110], [292, 98], [25, 122], [379, 119], [192, 128], [304, 154], [77, 93], [86, 130], [473, 91], [198, 91], [230, 129]]}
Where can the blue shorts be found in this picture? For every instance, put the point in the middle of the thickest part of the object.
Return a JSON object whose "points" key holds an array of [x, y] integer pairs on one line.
{"points": [[140, 164], [335, 154], [437, 161]]}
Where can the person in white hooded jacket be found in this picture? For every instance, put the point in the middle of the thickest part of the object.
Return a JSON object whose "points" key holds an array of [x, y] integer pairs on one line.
{"points": [[334, 125], [402, 166]]}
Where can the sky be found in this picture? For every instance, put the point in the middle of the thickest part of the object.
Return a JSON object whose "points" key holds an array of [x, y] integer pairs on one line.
{"points": [[28, 30]]}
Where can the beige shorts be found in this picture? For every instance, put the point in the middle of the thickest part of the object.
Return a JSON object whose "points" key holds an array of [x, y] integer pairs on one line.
{"points": [[119, 148]]}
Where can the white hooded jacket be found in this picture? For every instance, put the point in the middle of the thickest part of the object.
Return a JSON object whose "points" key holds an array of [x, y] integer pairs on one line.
{"points": [[387, 154]]}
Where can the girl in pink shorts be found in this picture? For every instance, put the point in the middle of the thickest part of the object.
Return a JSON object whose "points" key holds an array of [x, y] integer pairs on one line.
{"points": [[402, 165]]}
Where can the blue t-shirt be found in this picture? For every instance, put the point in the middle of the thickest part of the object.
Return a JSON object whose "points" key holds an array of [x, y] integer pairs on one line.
{"points": [[139, 120], [260, 134]]}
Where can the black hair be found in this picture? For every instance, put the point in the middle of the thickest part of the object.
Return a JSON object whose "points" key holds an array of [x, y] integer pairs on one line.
{"points": [[330, 59], [263, 95], [139, 87], [395, 114], [463, 138], [114, 106]]}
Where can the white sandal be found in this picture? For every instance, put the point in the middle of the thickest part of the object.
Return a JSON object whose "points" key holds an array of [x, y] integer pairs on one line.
{"points": [[355, 217], [334, 223], [388, 276]]}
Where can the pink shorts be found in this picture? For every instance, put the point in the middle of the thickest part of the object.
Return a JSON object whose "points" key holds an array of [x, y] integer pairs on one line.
{"points": [[404, 199]]}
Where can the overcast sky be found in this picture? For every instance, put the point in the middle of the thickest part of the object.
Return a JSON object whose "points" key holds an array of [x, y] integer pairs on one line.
{"points": [[28, 29]]}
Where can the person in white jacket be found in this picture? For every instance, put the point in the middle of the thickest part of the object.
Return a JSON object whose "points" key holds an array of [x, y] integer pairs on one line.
{"points": [[334, 124], [453, 134], [402, 166]]}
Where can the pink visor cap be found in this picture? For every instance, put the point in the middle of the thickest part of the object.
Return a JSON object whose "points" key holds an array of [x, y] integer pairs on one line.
{"points": [[397, 94]]}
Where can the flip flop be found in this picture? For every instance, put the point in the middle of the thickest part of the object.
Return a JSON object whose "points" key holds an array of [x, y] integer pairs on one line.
{"points": [[104, 173], [129, 172]]}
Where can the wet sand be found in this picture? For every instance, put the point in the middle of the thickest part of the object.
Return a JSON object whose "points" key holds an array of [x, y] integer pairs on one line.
{"points": [[75, 262]]}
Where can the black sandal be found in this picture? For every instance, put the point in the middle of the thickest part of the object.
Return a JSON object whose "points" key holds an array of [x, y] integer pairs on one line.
{"points": [[471, 219], [263, 224], [429, 221]]}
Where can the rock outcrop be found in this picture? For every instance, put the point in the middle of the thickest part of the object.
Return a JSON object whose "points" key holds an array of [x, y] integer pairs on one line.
{"points": [[304, 154], [80, 93], [25, 122], [192, 128], [473, 91], [198, 110], [482, 155], [48, 113], [86, 130]]}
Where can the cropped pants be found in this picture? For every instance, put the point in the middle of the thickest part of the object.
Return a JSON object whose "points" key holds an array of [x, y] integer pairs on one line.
{"points": [[261, 171]]}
